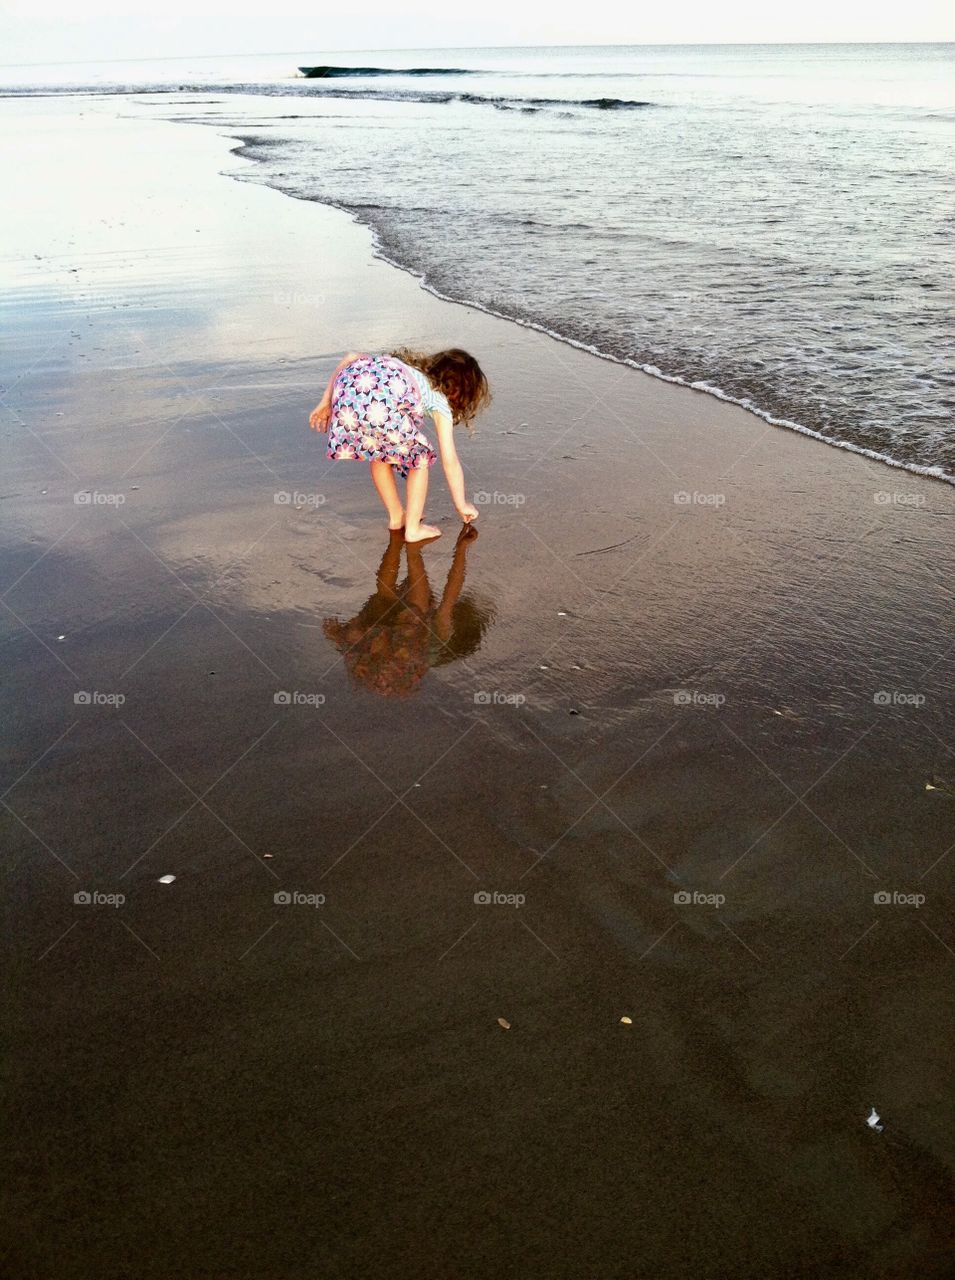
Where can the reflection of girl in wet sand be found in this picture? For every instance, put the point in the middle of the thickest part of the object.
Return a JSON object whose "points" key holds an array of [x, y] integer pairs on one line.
{"points": [[401, 632]]}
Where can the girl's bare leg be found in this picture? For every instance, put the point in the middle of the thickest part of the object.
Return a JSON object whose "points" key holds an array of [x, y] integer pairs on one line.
{"points": [[415, 531], [383, 474]]}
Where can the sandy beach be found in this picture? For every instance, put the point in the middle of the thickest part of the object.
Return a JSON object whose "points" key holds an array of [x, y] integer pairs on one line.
{"points": [[687, 762]]}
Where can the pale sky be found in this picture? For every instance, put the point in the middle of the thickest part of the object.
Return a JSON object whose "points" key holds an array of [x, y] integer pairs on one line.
{"points": [[68, 30]]}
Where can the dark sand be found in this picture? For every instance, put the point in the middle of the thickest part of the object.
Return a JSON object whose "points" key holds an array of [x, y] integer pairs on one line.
{"points": [[205, 1083]]}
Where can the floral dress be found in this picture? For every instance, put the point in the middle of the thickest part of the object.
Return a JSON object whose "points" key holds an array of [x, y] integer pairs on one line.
{"points": [[378, 407]]}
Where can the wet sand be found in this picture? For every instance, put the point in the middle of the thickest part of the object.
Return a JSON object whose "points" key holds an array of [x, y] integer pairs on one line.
{"points": [[694, 710]]}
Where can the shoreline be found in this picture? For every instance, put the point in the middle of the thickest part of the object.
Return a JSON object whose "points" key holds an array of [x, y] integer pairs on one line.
{"points": [[931, 473], [745, 699], [246, 143]]}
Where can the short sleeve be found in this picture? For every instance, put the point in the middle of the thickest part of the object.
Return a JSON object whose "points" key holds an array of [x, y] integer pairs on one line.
{"points": [[432, 401], [440, 405]]}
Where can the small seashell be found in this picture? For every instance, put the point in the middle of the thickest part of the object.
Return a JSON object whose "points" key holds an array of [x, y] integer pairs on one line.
{"points": [[929, 787], [166, 879], [268, 855], [874, 1121], [627, 1022], [504, 1024]]}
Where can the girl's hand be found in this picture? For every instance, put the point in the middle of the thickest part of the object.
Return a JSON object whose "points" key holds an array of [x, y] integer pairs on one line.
{"points": [[321, 416], [467, 512]]}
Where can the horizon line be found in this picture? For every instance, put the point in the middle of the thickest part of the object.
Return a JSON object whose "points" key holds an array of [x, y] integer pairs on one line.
{"points": [[670, 44]]}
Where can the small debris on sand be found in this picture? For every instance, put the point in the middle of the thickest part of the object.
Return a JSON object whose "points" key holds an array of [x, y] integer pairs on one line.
{"points": [[627, 1022], [504, 1024], [166, 879]]}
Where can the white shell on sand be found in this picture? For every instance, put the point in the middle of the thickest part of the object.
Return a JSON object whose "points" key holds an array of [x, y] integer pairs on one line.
{"points": [[166, 879]]}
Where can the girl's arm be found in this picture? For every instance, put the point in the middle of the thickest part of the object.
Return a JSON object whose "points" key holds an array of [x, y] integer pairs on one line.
{"points": [[323, 410], [453, 471]]}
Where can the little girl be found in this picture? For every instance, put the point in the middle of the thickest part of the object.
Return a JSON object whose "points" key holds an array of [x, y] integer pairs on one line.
{"points": [[373, 408]]}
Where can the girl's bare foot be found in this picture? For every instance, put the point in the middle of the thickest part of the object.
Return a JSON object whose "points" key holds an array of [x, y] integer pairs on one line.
{"points": [[422, 533]]}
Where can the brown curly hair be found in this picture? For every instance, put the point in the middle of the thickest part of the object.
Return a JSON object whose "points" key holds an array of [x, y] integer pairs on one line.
{"points": [[457, 375]]}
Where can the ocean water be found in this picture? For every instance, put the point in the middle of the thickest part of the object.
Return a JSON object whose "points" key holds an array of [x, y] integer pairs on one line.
{"points": [[771, 224]]}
